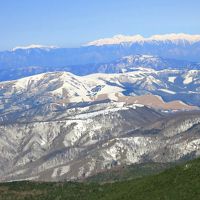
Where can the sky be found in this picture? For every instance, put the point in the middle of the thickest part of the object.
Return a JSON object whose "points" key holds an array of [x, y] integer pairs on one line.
{"points": [[71, 23]]}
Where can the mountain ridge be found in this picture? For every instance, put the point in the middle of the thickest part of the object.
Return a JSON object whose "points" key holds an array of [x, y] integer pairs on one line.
{"points": [[136, 107], [122, 39], [51, 57], [59, 126]]}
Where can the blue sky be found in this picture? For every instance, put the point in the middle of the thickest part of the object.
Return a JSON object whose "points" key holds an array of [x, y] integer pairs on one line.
{"points": [[74, 22]]}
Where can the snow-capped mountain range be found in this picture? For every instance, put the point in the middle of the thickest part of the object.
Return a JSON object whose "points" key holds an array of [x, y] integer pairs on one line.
{"points": [[58, 126], [69, 113], [43, 94], [173, 46], [123, 39]]}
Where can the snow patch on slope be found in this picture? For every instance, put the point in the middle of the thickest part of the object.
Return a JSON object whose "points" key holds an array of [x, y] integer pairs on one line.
{"points": [[172, 79]]}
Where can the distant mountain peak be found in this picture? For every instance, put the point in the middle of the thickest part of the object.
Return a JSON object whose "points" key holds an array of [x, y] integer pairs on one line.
{"points": [[118, 39], [34, 46]]}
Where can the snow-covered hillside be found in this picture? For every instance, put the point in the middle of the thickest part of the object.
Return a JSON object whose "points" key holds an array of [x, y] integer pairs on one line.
{"points": [[59, 126], [96, 139], [58, 90]]}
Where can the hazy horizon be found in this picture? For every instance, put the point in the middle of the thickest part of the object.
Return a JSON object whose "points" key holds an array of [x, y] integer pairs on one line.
{"points": [[71, 24]]}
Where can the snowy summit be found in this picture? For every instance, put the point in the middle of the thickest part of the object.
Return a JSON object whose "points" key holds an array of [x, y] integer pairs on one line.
{"points": [[34, 46]]}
